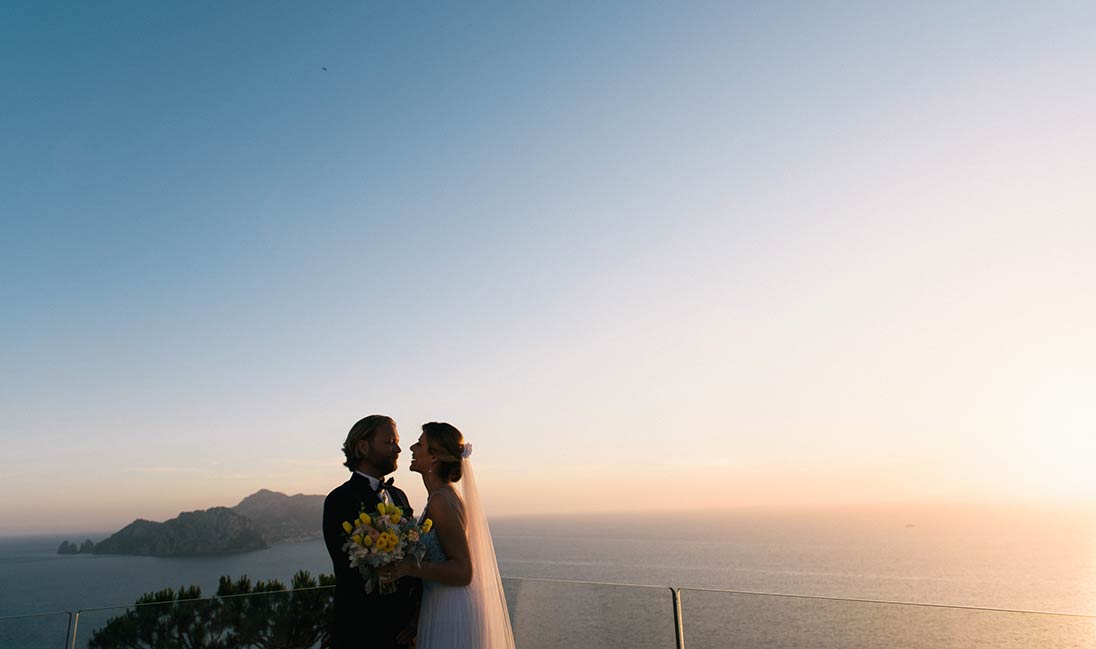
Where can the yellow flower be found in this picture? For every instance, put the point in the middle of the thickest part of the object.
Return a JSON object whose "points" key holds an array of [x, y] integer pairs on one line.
{"points": [[381, 509], [367, 541], [364, 518], [426, 525], [348, 527], [357, 538], [397, 512]]}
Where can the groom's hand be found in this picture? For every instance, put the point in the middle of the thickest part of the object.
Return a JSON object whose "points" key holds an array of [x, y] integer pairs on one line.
{"points": [[407, 636]]}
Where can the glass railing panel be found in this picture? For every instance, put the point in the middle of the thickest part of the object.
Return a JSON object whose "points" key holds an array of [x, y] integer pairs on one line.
{"points": [[720, 619], [561, 614], [38, 631], [544, 614], [287, 619]]}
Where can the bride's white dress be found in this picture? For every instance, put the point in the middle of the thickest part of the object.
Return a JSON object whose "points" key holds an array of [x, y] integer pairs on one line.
{"points": [[473, 616]]}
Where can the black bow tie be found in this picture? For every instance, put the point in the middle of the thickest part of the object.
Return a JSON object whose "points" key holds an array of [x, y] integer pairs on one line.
{"points": [[383, 485]]}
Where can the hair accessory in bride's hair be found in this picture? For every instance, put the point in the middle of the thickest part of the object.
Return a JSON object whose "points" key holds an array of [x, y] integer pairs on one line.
{"points": [[466, 450]]}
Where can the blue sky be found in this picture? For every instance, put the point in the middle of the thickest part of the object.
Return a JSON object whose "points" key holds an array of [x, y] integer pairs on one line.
{"points": [[791, 253]]}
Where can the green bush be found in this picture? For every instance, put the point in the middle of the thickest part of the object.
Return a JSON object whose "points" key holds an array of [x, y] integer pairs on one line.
{"points": [[242, 616]]}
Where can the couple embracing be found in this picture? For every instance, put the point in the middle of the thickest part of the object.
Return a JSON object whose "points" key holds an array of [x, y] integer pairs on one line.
{"points": [[453, 597]]}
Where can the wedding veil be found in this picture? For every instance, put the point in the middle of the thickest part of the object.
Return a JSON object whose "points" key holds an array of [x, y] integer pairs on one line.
{"points": [[486, 583]]}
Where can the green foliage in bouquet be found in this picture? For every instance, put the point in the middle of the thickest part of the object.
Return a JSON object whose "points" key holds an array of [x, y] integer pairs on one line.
{"points": [[263, 615]]}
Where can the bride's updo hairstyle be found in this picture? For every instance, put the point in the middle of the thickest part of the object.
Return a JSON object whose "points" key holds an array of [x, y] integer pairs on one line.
{"points": [[446, 444]]}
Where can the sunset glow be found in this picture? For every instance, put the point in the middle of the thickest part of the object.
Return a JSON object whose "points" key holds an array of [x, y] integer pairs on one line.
{"points": [[731, 255]]}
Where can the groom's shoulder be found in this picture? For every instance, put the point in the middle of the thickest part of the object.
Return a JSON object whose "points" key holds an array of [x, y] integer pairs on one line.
{"points": [[340, 491]]}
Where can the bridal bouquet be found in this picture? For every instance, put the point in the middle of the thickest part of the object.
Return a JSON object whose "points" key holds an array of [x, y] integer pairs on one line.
{"points": [[384, 538]]}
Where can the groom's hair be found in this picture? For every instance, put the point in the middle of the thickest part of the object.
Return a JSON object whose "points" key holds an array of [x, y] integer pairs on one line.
{"points": [[364, 429]]}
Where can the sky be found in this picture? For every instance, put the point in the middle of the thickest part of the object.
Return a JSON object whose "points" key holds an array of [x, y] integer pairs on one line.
{"points": [[699, 256]]}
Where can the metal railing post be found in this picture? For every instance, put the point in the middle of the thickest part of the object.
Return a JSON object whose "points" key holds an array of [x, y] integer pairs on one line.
{"points": [[68, 631], [75, 623], [679, 627]]}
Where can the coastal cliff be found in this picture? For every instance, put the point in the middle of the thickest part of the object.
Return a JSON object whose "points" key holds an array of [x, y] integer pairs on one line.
{"points": [[258, 520], [212, 531], [283, 518]]}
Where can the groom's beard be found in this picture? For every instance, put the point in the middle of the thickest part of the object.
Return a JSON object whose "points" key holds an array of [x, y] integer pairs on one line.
{"points": [[388, 466]]}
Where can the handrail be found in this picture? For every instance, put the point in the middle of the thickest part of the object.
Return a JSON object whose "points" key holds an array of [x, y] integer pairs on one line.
{"points": [[16, 617], [894, 603], [585, 583], [203, 599]]}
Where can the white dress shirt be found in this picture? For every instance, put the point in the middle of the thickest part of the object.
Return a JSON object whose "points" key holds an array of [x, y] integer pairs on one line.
{"points": [[374, 482]]}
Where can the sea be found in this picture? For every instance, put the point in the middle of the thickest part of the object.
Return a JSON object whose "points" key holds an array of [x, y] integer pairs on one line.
{"points": [[909, 576]]}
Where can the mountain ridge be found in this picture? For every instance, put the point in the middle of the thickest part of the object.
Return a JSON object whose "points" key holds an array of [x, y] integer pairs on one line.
{"points": [[284, 518], [217, 530], [257, 521]]}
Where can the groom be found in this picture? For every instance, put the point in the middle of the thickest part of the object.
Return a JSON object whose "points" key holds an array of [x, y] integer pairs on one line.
{"points": [[374, 620]]}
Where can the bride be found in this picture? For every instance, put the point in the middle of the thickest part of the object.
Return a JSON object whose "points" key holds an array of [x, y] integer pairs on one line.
{"points": [[463, 604]]}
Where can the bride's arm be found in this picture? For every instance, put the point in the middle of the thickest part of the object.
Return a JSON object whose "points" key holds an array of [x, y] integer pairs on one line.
{"points": [[449, 526]]}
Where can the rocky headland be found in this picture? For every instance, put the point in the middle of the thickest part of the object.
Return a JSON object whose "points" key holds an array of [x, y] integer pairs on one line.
{"points": [[260, 519], [211, 531]]}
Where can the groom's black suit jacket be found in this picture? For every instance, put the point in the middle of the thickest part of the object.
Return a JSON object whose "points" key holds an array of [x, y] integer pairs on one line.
{"points": [[363, 621]]}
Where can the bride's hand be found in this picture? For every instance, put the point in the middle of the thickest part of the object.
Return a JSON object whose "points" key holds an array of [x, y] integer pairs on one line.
{"points": [[396, 571]]}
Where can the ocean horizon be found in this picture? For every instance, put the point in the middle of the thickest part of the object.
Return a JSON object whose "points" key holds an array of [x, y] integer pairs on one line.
{"points": [[995, 558], [1023, 558]]}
